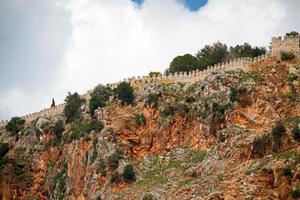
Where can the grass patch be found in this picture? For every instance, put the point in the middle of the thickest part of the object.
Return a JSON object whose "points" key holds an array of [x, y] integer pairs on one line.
{"points": [[257, 165], [286, 155], [251, 75], [81, 127], [197, 157]]}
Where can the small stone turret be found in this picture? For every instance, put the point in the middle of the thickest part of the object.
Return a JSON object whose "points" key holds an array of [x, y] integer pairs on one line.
{"points": [[285, 44]]}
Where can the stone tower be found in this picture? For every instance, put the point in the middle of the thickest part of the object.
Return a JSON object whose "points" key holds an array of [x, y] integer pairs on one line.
{"points": [[285, 44]]}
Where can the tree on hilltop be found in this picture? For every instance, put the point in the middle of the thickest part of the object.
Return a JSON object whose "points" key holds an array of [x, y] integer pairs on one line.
{"points": [[292, 33], [183, 63], [245, 50], [15, 125], [53, 103], [99, 97], [212, 54], [72, 108], [124, 92]]}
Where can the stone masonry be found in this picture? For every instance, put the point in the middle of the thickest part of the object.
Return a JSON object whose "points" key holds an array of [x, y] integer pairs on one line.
{"points": [[285, 44], [279, 44]]}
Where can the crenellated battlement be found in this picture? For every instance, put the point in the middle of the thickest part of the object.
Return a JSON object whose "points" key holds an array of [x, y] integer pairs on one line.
{"points": [[184, 77], [279, 44], [285, 44], [196, 75]]}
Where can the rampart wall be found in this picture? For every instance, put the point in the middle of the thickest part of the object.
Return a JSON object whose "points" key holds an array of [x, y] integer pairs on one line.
{"points": [[184, 77]]}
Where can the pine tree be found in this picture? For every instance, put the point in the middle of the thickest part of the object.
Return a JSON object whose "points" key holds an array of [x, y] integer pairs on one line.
{"points": [[53, 103]]}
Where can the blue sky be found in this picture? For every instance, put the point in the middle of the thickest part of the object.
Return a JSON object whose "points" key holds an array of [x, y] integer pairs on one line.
{"points": [[193, 5]]}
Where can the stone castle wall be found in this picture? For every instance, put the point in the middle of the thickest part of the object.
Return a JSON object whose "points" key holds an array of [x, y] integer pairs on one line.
{"points": [[196, 75], [48, 112], [285, 44], [184, 77], [279, 44]]}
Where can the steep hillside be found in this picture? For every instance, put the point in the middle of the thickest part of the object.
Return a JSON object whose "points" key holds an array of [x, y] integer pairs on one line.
{"points": [[234, 135]]}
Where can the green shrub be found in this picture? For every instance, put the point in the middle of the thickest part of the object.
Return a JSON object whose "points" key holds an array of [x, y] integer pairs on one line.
{"points": [[99, 97], [260, 145], [182, 109], [140, 119], [102, 167], [72, 108], [3, 161], [189, 99], [296, 193], [78, 129], [233, 95], [96, 102], [115, 177], [287, 56], [218, 116], [20, 173], [96, 125], [218, 108], [124, 92], [15, 125], [59, 180], [152, 100], [278, 133], [236, 95], [113, 159], [81, 127], [292, 77], [4, 148], [58, 129], [287, 172], [168, 111], [222, 137], [220, 177], [128, 173], [294, 94], [254, 74], [296, 132]]}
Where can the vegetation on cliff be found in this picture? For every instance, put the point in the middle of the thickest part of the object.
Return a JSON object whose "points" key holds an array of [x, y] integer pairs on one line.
{"points": [[235, 134]]}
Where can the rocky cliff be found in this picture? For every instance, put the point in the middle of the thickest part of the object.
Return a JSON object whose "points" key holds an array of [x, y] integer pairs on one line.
{"points": [[234, 135]]}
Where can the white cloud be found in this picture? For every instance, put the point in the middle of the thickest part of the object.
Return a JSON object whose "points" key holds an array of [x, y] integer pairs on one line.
{"points": [[114, 39]]}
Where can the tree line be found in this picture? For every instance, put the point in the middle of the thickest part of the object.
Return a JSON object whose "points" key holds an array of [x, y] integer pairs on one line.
{"points": [[213, 54]]}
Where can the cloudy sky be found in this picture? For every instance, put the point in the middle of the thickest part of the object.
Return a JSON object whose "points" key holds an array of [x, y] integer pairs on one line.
{"points": [[49, 47]]}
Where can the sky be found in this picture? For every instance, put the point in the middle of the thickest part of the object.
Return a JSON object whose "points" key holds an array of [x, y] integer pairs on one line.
{"points": [[192, 5], [50, 47]]}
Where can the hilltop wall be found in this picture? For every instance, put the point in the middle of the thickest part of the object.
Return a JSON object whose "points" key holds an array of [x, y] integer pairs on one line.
{"points": [[279, 44], [196, 75], [48, 112], [184, 77]]}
